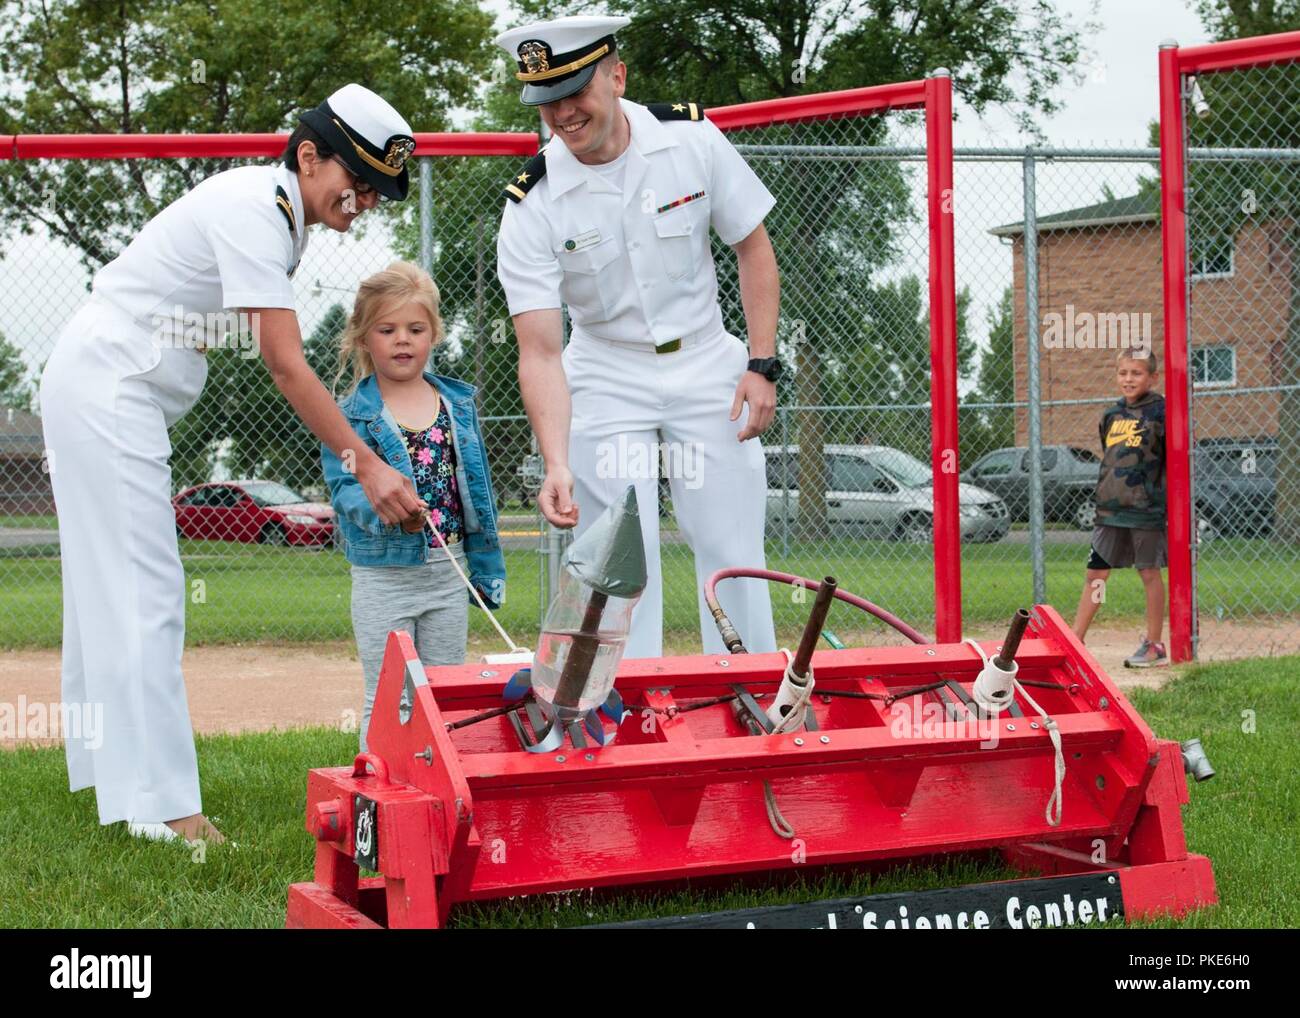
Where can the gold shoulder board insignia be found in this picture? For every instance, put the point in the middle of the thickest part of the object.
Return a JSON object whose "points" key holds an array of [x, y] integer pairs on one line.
{"points": [[677, 111], [522, 182], [285, 206]]}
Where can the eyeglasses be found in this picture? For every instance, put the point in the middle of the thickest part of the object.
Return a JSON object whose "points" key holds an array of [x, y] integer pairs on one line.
{"points": [[362, 189]]}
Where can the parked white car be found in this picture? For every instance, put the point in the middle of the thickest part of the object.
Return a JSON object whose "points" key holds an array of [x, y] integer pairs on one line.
{"points": [[878, 491]]}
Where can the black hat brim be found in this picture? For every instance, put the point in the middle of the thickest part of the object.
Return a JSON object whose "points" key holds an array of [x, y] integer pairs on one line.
{"points": [[394, 188], [536, 93]]}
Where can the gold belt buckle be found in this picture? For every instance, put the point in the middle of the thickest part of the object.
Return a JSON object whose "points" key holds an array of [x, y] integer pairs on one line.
{"points": [[672, 346]]}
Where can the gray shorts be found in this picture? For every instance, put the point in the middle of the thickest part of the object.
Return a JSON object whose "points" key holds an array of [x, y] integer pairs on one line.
{"points": [[1121, 547], [429, 601]]}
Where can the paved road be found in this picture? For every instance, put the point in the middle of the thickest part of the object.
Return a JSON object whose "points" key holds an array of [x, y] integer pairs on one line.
{"points": [[24, 537], [521, 532]]}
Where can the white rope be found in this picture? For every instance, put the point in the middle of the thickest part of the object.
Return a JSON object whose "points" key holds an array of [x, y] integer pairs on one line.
{"points": [[794, 693], [514, 647], [1049, 723], [987, 693], [780, 825]]}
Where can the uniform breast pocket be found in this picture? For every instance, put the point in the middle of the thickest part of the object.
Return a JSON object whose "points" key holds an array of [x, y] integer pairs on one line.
{"points": [[590, 287], [683, 234]]}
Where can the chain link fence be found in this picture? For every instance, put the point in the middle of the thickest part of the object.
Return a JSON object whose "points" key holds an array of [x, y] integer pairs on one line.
{"points": [[1060, 248], [1242, 149], [850, 230], [1068, 240], [848, 455]]}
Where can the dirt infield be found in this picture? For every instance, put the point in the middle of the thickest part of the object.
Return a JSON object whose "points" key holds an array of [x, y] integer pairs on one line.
{"points": [[261, 687]]}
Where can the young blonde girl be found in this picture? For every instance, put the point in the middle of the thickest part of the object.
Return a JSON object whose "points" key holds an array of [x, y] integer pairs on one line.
{"points": [[406, 576]]}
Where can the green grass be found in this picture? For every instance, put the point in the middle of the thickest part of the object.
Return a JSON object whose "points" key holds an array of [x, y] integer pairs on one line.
{"points": [[1246, 818], [244, 593], [59, 868], [38, 522]]}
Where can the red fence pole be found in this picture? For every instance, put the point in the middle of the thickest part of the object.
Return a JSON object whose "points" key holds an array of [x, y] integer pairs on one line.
{"points": [[239, 146], [1238, 53], [943, 360], [1178, 464], [852, 102]]}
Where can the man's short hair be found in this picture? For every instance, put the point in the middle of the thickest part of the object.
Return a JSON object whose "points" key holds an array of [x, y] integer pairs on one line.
{"points": [[1136, 354], [607, 62]]}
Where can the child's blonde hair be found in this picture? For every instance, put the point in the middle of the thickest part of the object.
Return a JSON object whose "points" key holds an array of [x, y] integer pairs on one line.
{"points": [[398, 284]]}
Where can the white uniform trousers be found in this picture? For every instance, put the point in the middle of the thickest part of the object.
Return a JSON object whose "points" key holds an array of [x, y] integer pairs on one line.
{"points": [[108, 395], [631, 404]]}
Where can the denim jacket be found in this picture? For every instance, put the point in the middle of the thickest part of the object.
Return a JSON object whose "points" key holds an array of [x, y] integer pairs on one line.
{"points": [[367, 540]]}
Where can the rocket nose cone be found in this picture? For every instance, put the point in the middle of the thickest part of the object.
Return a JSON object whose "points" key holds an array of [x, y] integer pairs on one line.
{"points": [[610, 554]]}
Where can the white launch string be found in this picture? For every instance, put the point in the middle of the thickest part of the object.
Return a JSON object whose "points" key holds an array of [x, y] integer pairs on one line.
{"points": [[514, 647], [990, 703]]}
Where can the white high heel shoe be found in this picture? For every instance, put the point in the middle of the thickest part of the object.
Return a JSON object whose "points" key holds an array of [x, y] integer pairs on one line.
{"points": [[153, 832], [161, 832]]}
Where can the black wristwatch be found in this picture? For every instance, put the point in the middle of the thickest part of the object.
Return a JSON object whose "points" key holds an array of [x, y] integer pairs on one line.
{"points": [[768, 367]]}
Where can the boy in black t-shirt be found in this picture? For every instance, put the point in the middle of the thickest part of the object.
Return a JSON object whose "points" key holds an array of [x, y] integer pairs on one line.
{"points": [[1131, 503]]}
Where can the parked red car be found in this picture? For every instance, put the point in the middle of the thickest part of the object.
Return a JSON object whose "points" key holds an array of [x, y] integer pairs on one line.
{"points": [[252, 511]]}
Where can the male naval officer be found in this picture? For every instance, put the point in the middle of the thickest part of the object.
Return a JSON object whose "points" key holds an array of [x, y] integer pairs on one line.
{"points": [[612, 219]]}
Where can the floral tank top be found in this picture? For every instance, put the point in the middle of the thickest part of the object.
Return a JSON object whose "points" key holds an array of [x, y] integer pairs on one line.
{"points": [[433, 462]]}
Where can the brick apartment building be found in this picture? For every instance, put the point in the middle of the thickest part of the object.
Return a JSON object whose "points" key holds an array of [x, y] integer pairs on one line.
{"points": [[1103, 261], [24, 480]]}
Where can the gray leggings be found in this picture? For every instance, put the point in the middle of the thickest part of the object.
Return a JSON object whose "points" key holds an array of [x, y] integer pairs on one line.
{"points": [[429, 601]]}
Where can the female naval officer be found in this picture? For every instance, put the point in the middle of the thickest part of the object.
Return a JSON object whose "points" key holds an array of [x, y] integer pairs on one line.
{"points": [[123, 371]]}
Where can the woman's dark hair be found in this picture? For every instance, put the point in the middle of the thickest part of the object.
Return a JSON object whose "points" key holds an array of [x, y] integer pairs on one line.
{"points": [[300, 134]]}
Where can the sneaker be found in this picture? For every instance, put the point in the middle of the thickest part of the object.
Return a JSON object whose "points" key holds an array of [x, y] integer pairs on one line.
{"points": [[1147, 655]]}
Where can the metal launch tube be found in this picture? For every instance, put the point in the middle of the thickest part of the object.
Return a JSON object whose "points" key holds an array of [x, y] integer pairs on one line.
{"points": [[1007, 655], [812, 629]]}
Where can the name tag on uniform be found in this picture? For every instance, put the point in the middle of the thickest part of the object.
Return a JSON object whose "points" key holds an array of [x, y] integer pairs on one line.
{"points": [[583, 240]]}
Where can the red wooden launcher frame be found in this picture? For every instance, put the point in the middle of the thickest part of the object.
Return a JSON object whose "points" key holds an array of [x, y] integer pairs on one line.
{"points": [[460, 815], [1176, 67], [466, 815], [453, 815]]}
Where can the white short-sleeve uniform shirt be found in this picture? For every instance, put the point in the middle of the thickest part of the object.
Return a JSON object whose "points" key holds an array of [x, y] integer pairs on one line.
{"points": [[232, 242], [632, 262]]}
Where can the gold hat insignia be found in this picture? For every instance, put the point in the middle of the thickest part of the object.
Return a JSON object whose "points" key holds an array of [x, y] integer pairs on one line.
{"points": [[398, 152], [534, 56]]}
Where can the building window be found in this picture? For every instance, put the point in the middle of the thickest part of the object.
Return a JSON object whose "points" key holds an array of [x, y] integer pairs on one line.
{"points": [[1213, 366], [1212, 257]]}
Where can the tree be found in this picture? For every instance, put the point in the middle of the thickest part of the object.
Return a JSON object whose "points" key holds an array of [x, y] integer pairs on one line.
{"points": [[15, 389], [1255, 108], [1013, 53], [985, 429], [209, 66], [202, 66], [245, 421], [836, 226], [886, 365]]}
